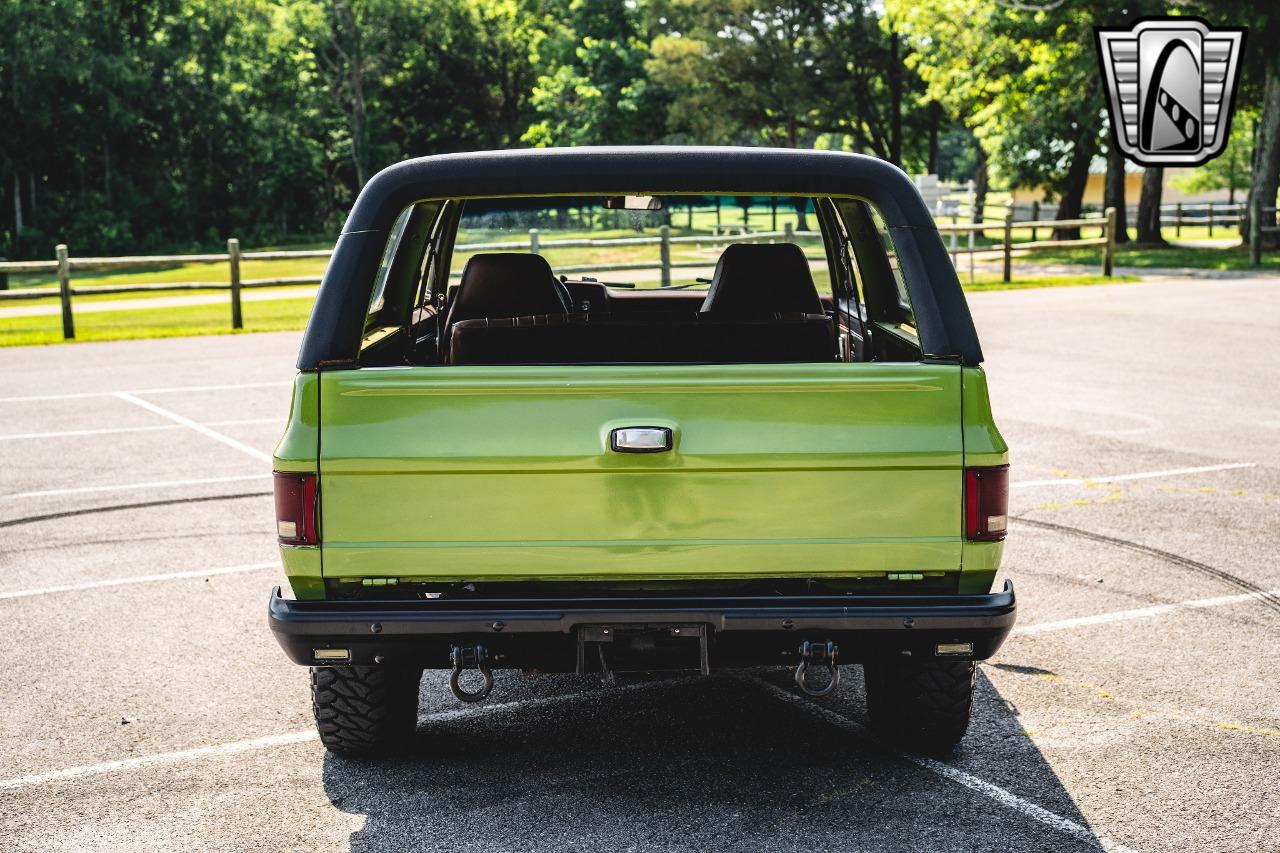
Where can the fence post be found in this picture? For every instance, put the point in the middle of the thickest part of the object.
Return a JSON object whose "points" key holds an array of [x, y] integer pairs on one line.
{"points": [[788, 232], [233, 256], [64, 291], [717, 211], [533, 241], [1035, 217], [1210, 219], [1177, 222], [1109, 251], [1008, 246], [1255, 229], [773, 211], [664, 253], [690, 216]]}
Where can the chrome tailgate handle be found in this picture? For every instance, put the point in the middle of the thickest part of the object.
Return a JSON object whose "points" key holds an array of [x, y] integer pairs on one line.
{"points": [[640, 439]]}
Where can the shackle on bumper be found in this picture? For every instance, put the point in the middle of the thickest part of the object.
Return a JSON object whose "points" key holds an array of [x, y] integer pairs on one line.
{"points": [[464, 656], [822, 655]]}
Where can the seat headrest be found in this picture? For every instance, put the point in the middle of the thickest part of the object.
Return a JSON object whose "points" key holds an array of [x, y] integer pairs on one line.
{"points": [[755, 278], [506, 284]]}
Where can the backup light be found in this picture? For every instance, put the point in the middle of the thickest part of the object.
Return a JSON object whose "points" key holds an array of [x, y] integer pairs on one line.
{"points": [[295, 508], [948, 649], [331, 654], [986, 503]]}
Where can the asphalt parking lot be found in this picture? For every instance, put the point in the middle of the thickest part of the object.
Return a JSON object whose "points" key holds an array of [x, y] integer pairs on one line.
{"points": [[147, 707]]}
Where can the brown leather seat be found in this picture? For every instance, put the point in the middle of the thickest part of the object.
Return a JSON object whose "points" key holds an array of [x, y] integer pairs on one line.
{"points": [[505, 284], [753, 278]]}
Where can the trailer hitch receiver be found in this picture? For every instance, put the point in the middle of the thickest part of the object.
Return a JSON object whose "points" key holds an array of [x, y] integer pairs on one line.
{"points": [[818, 654], [465, 656]]}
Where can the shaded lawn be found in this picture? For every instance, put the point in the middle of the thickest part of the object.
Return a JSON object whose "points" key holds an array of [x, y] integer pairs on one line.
{"points": [[267, 316], [1233, 258], [290, 314]]}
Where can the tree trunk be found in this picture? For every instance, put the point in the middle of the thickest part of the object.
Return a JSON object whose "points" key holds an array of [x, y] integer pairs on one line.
{"points": [[17, 202], [1071, 191], [800, 203], [980, 180], [1149, 207], [1248, 195], [935, 119], [1266, 168], [1114, 194], [895, 101], [346, 20], [106, 168]]}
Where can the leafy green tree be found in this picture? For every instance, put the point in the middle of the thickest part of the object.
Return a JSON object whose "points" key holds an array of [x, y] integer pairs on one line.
{"points": [[602, 95], [1024, 77], [1230, 170]]}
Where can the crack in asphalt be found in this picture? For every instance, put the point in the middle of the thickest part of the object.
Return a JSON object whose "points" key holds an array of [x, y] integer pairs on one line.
{"points": [[1264, 595], [71, 513]]}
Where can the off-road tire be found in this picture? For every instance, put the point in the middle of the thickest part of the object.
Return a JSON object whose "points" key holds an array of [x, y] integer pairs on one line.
{"points": [[920, 705], [364, 710]]}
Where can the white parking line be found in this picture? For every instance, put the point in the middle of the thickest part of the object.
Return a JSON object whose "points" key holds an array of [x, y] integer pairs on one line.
{"points": [[114, 430], [1141, 612], [88, 770], [1120, 478], [125, 487], [981, 786], [126, 581], [174, 389], [141, 761], [198, 427]]}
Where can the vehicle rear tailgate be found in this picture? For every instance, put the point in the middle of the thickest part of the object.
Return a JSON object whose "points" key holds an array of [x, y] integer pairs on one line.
{"points": [[505, 473]]}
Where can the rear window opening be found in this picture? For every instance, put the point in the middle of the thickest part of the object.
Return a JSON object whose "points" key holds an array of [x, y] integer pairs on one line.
{"points": [[652, 279]]}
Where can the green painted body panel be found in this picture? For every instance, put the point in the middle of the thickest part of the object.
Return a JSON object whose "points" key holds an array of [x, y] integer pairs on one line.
{"points": [[983, 445], [504, 473], [297, 451]]}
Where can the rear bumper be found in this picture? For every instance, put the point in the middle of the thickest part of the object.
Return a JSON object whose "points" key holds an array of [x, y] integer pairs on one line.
{"points": [[544, 633]]}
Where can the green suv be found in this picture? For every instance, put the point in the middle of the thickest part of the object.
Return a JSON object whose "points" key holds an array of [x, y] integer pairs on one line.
{"points": [[756, 434]]}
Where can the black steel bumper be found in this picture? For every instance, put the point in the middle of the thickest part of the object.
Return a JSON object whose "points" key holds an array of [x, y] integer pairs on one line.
{"points": [[546, 634]]}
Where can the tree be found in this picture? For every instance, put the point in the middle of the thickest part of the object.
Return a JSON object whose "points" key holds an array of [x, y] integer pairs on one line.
{"points": [[1230, 170], [602, 95], [787, 73], [1265, 178], [1114, 191], [1024, 78], [1149, 207]]}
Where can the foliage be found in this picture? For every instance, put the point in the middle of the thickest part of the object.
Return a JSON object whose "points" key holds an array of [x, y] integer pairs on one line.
{"points": [[144, 125], [1230, 171], [601, 94]]}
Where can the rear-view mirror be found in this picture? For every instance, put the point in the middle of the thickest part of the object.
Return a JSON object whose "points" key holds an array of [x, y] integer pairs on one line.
{"points": [[633, 202]]}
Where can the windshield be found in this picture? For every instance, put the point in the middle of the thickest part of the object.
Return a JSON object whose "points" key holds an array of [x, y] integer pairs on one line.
{"points": [[676, 246]]}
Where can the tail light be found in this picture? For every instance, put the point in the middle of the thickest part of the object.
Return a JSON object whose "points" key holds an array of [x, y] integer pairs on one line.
{"points": [[986, 503], [296, 508]]}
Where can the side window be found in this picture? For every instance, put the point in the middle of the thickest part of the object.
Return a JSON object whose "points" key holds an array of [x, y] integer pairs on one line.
{"points": [[906, 321], [396, 283], [378, 298], [888, 299]]}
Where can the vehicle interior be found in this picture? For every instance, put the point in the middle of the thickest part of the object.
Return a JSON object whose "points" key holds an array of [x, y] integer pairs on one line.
{"points": [[639, 279]]}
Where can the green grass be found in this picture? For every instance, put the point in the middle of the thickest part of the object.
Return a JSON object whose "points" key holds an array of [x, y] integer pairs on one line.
{"points": [[215, 272], [267, 316], [290, 314], [988, 281], [1144, 257]]}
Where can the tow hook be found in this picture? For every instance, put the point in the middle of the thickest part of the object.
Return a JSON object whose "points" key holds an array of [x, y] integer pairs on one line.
{"points": [[465, 656], [820, 654]]}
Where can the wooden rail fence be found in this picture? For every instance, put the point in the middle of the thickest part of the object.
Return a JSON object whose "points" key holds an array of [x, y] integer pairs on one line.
{"points": [[64, 264]]}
